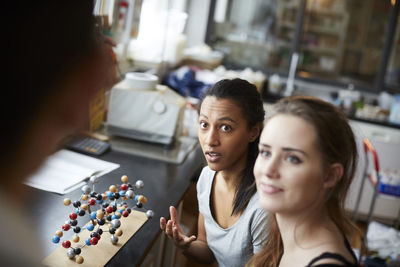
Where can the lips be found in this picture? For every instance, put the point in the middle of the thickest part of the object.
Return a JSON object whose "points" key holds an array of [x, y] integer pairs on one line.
{"points": [[212, 156], [270, 189]]}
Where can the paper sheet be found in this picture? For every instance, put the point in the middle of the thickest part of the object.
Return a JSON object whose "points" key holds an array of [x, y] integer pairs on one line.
{"points": [[65, 171]]}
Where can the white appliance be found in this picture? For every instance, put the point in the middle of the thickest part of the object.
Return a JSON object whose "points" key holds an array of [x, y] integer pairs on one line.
{"points": [[141, 109]]}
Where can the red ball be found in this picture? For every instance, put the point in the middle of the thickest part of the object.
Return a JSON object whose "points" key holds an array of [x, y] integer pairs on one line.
{"points": [[73, 216], [92, 201], [66, 227], [124, 187], [94, 241], [109, 209], [66, 244], [125, 213]]}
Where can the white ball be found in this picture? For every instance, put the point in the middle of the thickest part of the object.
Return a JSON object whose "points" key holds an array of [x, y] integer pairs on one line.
{"points": [[86, 189], [70, 253], [94, 179], [130, 193], [114, 239], [115, 223], [149, 214], [139, 184]]}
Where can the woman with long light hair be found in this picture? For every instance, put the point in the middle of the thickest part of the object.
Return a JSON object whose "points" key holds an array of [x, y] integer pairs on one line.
{"points": [[306, 162]]}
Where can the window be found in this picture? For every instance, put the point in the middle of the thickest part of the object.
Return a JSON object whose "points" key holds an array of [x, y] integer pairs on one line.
{"points": [[341, 42]]}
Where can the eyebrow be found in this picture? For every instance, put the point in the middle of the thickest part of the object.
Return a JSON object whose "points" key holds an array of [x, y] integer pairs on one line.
{"points": [[287, 149], [221, 119]]}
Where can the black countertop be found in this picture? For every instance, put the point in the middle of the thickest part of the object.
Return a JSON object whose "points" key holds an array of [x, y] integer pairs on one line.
{"points": [[164, 185]]}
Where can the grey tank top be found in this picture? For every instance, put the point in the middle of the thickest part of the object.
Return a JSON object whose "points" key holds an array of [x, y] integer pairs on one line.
{"points": [[233, 246]]}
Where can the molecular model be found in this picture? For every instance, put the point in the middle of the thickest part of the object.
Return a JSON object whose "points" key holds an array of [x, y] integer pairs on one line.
{"points": [[102, 208]]}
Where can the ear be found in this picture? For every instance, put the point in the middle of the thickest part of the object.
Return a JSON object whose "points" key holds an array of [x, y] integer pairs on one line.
{"points": [[254, 132], [334, 175]]}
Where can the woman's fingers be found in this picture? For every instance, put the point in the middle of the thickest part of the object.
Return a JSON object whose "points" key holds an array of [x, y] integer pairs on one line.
{"points": [[174, 214], [192, 238], [168, 229], [163, 223]]}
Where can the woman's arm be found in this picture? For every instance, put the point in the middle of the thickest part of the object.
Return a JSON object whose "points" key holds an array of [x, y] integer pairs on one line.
{"points": [[197, 250]]}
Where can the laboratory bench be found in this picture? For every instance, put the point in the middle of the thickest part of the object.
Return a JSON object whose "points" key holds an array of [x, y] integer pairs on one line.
{"points": [[164, 185]]}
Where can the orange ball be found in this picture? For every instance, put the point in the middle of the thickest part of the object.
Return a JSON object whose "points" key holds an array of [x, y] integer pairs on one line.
{"points": [[100, 214], [113, 188], [67, 201], [75, 238], [118, 232], [84, 197], [124, 178], [142, 199], [79, 260], [59, 233], [85, 206]]}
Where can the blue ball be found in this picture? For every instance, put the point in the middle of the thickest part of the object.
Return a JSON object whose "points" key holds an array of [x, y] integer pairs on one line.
{"points": [[99, 201], [93, 215], [120, 211], [114, 217], [137, 198], [88, 242], [109, 194], [56, 239], [90, 227], [122, 193]]}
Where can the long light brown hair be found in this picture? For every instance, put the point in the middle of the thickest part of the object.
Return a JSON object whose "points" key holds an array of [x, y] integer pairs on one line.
{"points": [[336, 143]]}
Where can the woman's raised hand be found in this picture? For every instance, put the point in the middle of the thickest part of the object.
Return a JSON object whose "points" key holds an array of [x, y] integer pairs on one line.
{"points": [[173, 230]]}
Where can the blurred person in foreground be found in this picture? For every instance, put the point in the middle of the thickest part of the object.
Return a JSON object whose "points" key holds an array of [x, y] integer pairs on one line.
{"points": [[54, 62]]}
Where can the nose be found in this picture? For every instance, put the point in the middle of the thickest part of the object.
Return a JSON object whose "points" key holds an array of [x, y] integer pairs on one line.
{"points": [[211, 137], [271, 169]]}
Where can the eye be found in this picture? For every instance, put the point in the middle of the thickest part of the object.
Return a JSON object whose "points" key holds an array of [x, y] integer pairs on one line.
{"points": [[264, 153], [203, 125], [294, 159], [226, 128]]}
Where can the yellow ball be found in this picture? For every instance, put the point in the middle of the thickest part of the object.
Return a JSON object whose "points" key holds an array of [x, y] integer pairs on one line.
{"points": [[118, 232], [124, 178], [79, 260], [113, 188], [100, 214], [84, 197], [67, 201], [142, 199], [85, 206], [75, 238], [59, 233]]}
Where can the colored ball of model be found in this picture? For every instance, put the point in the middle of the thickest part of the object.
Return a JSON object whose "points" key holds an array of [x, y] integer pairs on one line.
{"points": [[114, 239], [149, 214], [66, 244], [70, 253], [86, 189], [115, 223]]}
